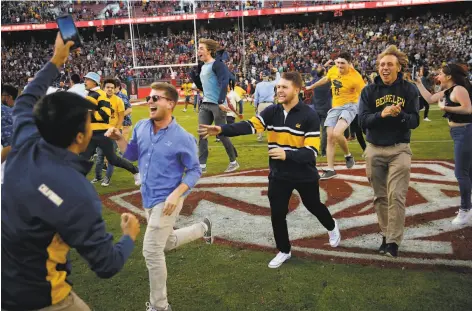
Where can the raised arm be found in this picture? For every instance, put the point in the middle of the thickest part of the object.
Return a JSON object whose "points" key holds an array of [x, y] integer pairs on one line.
{"points": [[320, 82], [24, 127], [430, 98]]}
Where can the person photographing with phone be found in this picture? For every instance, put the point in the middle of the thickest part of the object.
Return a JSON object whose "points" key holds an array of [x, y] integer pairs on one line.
{"points": [[388, 111], [54, 208]]}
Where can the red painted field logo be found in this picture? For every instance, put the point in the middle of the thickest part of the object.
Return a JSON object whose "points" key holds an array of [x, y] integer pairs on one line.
{"points": [[239, 208]]}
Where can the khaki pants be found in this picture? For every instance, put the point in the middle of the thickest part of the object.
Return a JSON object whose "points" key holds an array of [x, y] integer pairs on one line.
{"points": [[388, 171], [71, 303], [160, 236]]}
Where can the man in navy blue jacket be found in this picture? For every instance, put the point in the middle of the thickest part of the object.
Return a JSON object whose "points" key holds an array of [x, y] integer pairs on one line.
{"points": [[388, 111], [48, 205]]}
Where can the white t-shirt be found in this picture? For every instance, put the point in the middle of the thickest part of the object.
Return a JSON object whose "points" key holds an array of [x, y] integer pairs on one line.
{"points": [[78, 89], [234, 99]]}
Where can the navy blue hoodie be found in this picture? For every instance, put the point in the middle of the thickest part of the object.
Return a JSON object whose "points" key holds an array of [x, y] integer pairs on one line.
{"points": [[390, 130], [49, 207]]}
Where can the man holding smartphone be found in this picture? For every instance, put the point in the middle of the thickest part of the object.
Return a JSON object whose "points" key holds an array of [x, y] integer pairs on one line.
{"points": [[48, 205], [388, 111]]}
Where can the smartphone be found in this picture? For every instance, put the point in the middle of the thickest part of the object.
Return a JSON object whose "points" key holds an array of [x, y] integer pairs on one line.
{"points": [[69, 31], [413, 73]]}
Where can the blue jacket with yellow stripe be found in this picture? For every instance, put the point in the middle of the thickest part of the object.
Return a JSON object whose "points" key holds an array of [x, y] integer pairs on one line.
{"points": [[298, 134], [48, 207]]}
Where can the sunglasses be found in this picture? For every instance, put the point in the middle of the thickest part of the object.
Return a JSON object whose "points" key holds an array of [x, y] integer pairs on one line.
{"points": [[156, 98]]}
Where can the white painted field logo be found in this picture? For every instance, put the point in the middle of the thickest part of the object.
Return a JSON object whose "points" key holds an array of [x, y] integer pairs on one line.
{"points": [[239, 208]]}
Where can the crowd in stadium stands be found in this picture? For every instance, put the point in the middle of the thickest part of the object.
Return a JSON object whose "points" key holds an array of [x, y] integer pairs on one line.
{"points": [[27, 12], [294, 47]]}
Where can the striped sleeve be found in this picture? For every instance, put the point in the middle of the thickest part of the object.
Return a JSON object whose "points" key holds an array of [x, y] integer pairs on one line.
{"points": [[257, 124], [312, 141]]}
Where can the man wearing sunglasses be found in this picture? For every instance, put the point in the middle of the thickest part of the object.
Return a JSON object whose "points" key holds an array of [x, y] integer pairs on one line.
{"points": [[165, 151]]}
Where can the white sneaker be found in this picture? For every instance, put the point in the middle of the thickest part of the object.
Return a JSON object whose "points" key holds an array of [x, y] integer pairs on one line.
{"points": [[137, 179], [462, 217], [427, 120], [335, 235], [279, 260], [232, 167]]}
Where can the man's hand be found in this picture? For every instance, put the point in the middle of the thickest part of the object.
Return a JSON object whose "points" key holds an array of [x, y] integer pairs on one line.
{"points": [[224, 108], [208, 130], [114, 133], [61, 51], [130, 225], [391, 111], [277, 154], [170, 204]]}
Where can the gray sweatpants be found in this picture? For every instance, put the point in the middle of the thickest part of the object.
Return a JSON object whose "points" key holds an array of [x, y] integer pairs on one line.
{"points": [[208, 114]]}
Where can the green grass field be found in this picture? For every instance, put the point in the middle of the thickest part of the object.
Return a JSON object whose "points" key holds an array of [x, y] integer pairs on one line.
{"points": [[202, 277]]}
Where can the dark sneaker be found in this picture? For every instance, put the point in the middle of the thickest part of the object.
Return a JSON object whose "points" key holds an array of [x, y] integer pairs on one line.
{"points": [[106, 182], [350, 161], [208, 235], [391, 250], [383, 246], [328, 175], [204, 169], [95, 180]]}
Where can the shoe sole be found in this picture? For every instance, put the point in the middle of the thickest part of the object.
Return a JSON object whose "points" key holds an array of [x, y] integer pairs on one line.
{"points": [[390, 255], [326, 178], [275, 267]]}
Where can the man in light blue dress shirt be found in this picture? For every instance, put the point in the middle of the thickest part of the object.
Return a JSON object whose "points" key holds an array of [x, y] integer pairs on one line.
{"points": [[168, 162], [264, 94]]}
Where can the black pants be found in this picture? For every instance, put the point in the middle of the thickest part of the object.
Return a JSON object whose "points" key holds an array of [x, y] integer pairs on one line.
{"points": [[425, 104], [106, 144], [324, 135], [355, 128], [279, 194]]}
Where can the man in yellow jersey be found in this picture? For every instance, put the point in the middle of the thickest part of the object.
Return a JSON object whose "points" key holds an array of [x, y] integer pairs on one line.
{"points": [[187, 88], [100, 124], [116, 121], [346, 86], [241, 93]]}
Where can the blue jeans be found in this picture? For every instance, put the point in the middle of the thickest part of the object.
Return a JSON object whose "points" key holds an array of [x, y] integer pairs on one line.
{"points": [[101, 162], [462, 137]]}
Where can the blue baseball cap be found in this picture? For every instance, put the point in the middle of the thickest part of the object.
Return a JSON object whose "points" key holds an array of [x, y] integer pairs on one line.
{"points": [[94, 77]]}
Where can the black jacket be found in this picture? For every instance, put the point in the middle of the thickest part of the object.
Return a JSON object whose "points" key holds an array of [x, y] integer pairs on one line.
{"points": [[390, 130], [298, 134]]}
